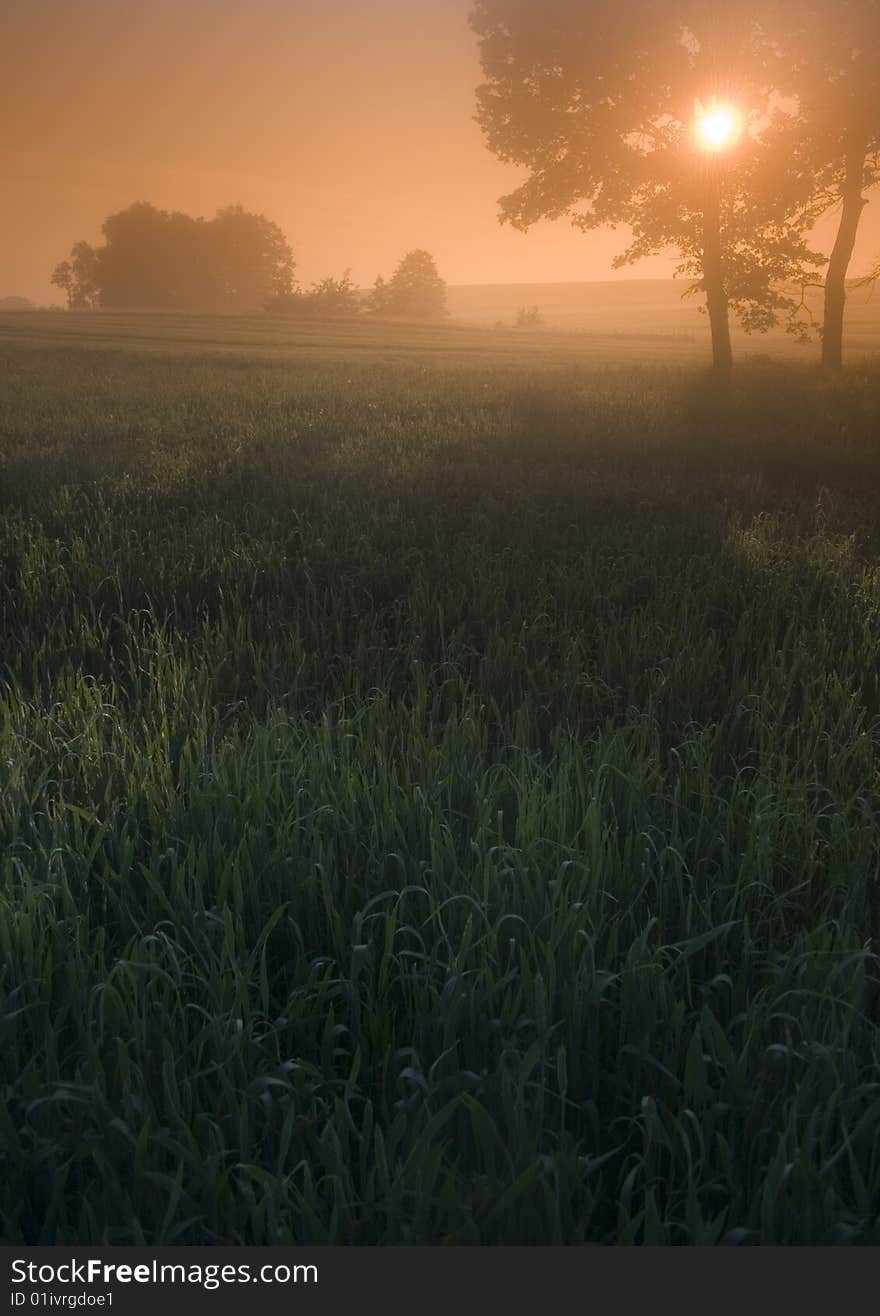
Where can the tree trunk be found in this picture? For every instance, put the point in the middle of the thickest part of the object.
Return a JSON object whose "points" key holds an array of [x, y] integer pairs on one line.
{"points": [[835, 280], [713, 278]]}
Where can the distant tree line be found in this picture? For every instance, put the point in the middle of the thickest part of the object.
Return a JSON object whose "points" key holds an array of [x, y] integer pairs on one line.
{"points": [[167, 260], [415, 291], [236, 262]]}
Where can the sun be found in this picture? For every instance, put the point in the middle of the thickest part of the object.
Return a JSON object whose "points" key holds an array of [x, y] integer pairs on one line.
{"points": [[717, 127]]}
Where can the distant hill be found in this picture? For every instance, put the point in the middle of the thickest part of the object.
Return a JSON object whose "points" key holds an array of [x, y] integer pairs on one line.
{"points": [[624, 305], [632, 308], [16, 304]]}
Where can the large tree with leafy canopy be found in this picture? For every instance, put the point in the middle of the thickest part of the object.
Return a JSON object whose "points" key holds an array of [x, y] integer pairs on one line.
{"points": [[598, 103], [154, 258]]}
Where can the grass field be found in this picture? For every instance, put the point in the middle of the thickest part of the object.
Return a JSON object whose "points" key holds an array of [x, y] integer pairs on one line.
{"points": [[439, 786]]}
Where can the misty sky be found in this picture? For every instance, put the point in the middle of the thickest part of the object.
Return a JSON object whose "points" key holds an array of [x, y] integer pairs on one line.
{"points": [[349, 122]]}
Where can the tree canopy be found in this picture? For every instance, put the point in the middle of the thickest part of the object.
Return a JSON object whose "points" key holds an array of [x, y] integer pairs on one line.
{"points": [[165, 259], [78, 277]]}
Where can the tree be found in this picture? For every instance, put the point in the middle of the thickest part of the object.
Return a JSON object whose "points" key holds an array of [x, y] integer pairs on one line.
{"points": [[598, 103], [377, 302], [739, 237], [414, 291], [62, 277], [327, 296], [828, 60], [251, 259], [154, 258], [78, 277], [160, 259], [530, 317]]}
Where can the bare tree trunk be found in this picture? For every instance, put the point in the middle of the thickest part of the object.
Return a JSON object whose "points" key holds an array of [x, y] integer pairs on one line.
{"points": [[713, 278], [835, 280]]}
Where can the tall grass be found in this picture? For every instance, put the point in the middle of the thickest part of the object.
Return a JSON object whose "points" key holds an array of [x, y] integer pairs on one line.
{"points": [[439, 804]]}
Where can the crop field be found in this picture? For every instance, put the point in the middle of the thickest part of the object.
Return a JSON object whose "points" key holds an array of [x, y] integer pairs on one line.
{"points": [[438, 788]]}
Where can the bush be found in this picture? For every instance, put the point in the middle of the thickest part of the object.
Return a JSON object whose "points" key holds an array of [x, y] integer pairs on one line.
{"points": [[530, 317], [329, 296]]}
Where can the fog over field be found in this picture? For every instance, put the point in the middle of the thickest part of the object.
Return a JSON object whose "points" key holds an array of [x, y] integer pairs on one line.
{"points": [[634, 319], [649, 306]]}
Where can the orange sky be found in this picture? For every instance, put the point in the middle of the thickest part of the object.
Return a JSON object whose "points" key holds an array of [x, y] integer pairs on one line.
{"points": [[349, 122]]}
